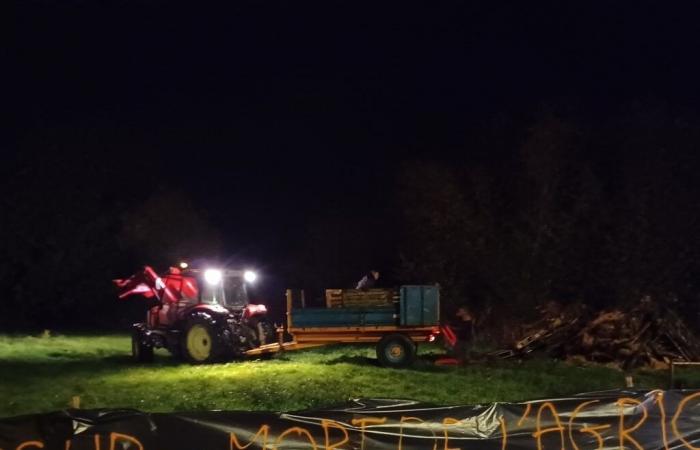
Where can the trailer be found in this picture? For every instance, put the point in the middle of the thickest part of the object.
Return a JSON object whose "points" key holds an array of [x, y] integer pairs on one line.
{"points": [[395, 321]]}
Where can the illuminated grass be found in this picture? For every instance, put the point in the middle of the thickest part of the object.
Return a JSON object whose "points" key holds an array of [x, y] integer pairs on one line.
{"points": [[42, 374]]}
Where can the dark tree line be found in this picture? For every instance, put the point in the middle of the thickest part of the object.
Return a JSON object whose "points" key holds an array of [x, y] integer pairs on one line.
{"points": [[70, 223], [601, 211], [601, 215]]}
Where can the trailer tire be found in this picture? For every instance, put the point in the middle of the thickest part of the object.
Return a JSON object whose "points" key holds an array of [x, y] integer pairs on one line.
{"points": [[141, 352], [396, 350], [201, 341]]}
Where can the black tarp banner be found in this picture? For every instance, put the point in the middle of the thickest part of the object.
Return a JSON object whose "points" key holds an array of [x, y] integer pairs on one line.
{"points": [[602, 420]]}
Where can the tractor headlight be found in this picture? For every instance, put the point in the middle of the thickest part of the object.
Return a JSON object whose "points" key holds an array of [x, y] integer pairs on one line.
{"points": [[250, 276], [212, 276]]}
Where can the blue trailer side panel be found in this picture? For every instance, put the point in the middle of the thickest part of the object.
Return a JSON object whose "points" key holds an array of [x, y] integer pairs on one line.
{"points": [[420, 305], [343, 317]]}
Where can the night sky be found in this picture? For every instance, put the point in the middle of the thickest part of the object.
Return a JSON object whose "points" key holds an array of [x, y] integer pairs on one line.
{"points": [[270, 114]]}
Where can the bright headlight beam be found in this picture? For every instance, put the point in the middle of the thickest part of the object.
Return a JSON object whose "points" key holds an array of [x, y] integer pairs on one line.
{"points": [[249, 276], [212, 276]]}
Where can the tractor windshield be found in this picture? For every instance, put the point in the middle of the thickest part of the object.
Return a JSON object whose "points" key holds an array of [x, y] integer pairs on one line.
{"points": [[230, 292], [236, 293]]}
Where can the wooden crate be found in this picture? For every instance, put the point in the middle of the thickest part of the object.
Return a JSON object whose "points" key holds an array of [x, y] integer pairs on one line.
{"points": [[354, 298]]}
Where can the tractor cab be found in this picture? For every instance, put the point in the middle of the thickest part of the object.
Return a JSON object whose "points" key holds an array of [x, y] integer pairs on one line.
{"points": [[227, 288]]}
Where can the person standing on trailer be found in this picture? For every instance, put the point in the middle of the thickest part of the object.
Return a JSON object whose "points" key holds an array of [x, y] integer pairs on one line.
{"points": [[368, 281]]}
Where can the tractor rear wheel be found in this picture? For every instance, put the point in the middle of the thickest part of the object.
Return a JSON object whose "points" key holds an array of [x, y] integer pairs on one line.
{"points": [[396, 350], [201, 343], [140, 351]]}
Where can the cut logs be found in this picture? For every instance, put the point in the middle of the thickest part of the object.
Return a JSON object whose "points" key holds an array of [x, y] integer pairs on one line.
{"points": [[647, 334]]}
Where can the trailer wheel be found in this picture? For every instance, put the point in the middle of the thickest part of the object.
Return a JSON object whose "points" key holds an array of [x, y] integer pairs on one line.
{"points": [[396, 350], [140, 351], [201, 343]]}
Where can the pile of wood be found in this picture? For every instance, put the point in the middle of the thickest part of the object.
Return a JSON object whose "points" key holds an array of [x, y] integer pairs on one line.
{"points": [[355, 298], [647, 334]]}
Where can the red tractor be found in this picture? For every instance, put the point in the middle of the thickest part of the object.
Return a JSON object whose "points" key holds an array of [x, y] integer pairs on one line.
{"points": [[202, 316]]}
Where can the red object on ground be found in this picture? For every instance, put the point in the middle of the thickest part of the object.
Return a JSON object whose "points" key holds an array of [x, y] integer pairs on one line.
{"points": [[447, 362]]}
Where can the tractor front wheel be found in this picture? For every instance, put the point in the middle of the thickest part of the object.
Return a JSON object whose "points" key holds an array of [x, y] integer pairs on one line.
{"points": [[396, 350], [140, 351], [201, 343]]}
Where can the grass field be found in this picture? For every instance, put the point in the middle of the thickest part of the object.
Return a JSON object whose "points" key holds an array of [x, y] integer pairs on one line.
{"points": [[40, 374]]}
